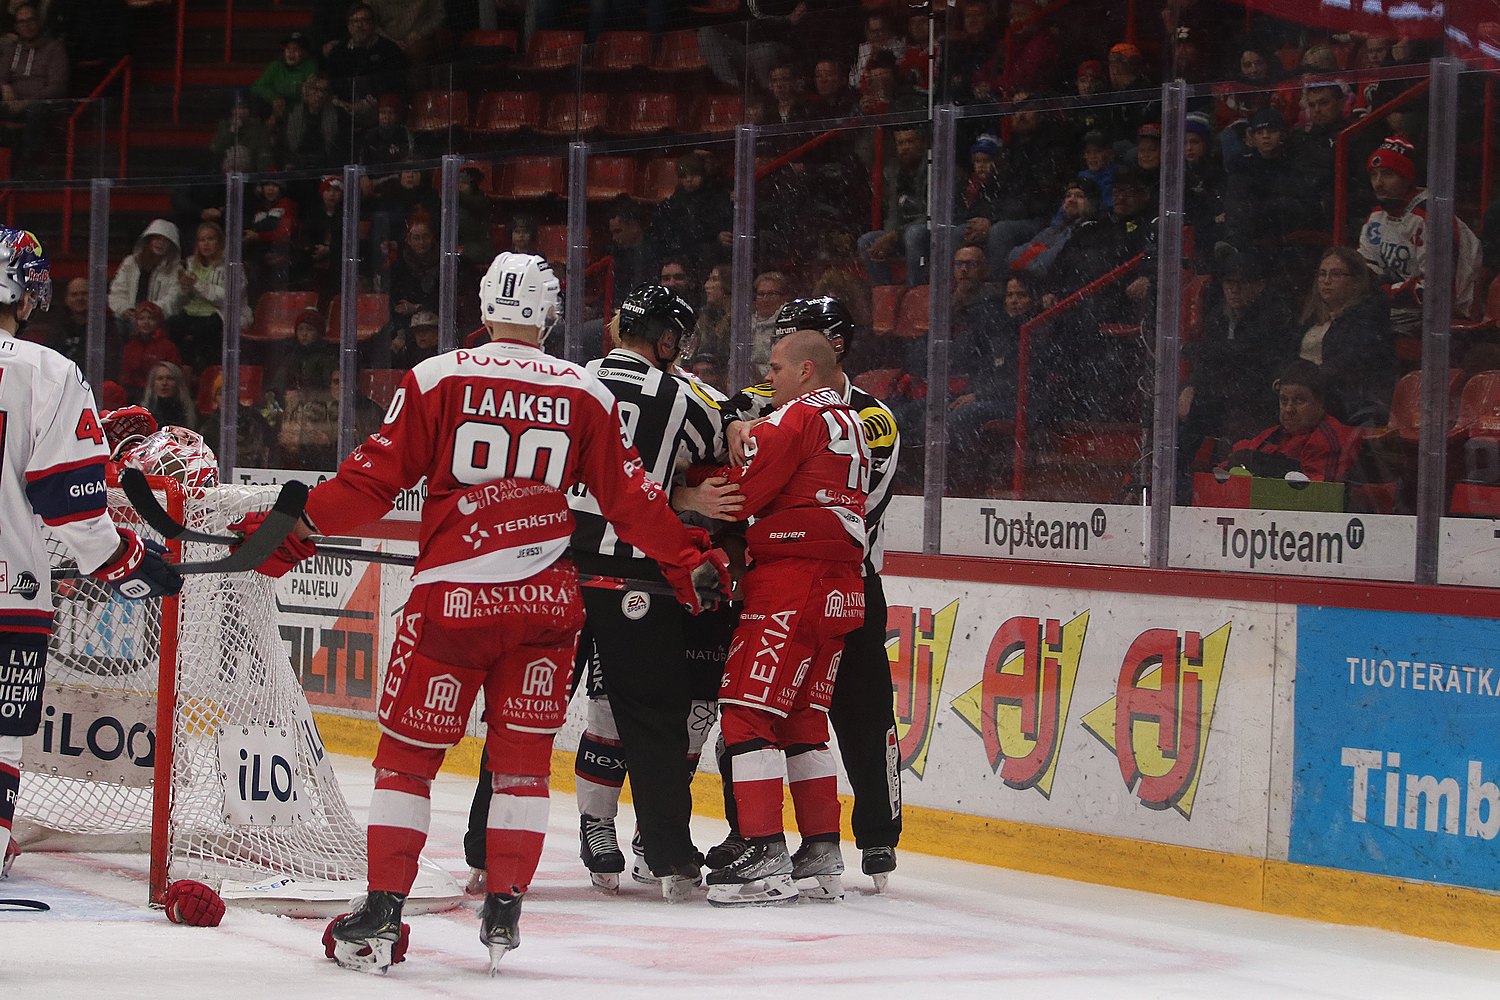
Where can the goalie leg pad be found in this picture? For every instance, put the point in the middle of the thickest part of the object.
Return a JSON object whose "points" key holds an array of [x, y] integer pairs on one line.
{"points": [[23, 667]]}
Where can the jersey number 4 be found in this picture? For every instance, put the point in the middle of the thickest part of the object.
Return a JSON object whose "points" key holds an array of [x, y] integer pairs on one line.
{"points": [[485, 452], [846, 436]]}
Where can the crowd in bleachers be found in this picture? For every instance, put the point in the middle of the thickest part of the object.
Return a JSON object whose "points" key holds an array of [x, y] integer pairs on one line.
{"points": [[1052, 196]]}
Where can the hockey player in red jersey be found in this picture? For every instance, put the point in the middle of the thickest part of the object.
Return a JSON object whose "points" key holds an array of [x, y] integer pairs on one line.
{"points": [[805, 484], [53, 469], [499, 432]]}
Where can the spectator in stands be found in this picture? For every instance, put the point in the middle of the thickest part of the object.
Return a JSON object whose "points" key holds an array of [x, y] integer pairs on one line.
{"points": [[316, 133], [198, 328], [66, 328], [268, 236], [320, 245], [1255, 74], [745, 50], [1312, 145], [963, 54], [772, 291], [635, 253], [148, 345], [676, 275], [1267, 195], [169, 398], [252, 433], [389, 141], [1074, 251], [905, 213], [203, 201], [418, 27], [709, 368], [523, 233], [1202, 183], [33, 72], [310, 360], [913, 66], [1039, 160], [1394, 239], [880, 36], [418, 342], [1148, 152], [991, 206], [474, 248], [1135, 215], [786, 95], [713, 318], [363, 66], [1244, 340], [148, 275], [242, 129], [396, 201], [1034, 61], [1347, 334], [1099, 166], [1307, 439], [279, 88], [885, 90], [696, 219], [832, 95], [414, 275]]}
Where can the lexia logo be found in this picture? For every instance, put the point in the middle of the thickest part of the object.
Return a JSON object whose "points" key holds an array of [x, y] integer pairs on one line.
{"points": [[1427, 801]]}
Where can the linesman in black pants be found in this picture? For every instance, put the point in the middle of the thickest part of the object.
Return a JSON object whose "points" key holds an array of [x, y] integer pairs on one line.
{"points": [[863, 709]]}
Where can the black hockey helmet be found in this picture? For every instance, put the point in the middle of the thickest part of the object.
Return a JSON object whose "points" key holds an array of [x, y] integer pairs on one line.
{"points": [[824, 313], [651, 310]]}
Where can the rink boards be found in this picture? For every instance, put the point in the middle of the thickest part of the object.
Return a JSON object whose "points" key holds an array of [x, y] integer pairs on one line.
{"points": [[1319, 748]]}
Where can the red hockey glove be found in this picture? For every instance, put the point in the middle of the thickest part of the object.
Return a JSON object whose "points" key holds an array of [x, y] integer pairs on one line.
{"points": [[141, 570], [193, 903], [710, 576], [288, 554], [398, 950]]}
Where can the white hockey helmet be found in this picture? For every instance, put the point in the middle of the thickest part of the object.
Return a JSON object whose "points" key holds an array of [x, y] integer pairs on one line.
{"points": [[520, 288]]}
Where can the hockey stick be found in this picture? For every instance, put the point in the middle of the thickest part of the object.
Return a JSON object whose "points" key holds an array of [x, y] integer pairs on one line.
{"points": [[138, 491], [24, 904]]}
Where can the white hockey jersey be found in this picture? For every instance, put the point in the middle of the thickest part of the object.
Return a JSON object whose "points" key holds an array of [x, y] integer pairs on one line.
{"points": [[1395, 246], [52, 456]]}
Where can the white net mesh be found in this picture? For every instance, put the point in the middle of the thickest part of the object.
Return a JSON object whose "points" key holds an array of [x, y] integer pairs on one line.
{"points": [[234, 682]]}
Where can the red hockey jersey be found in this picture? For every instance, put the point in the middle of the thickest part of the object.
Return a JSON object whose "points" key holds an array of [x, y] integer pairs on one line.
{"points": [[528, 424]]}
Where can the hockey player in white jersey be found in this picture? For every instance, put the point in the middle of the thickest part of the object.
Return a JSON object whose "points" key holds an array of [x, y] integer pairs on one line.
{"points": [[52, 456]]}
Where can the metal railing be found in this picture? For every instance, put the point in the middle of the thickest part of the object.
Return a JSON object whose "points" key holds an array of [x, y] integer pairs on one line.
{"points": [[122, 69]]}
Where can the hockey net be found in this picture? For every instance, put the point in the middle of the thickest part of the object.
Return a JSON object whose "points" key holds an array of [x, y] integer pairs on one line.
{"points": [[181, 725]]}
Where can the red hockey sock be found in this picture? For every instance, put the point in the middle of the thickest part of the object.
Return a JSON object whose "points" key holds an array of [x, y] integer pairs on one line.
{"points": [[813, 779], [518, 821], [757, 780], [400, 812]]}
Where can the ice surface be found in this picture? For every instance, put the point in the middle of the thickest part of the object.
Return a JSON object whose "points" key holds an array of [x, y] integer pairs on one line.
{"points": [[944, 929]]}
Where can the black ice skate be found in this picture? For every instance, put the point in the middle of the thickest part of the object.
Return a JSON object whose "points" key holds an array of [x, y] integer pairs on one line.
{"points": [[600, 851], [761, 876], [817, 871], [878, 863], [500, 926], [372, 938], [724, 854]]}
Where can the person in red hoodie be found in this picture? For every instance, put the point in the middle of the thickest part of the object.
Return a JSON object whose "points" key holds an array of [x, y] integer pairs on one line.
{"points": [[148, 346], [1307, 440]]}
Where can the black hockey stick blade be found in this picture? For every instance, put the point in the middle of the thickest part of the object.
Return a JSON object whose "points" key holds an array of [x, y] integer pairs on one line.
{"points": [[24, 904], [258, 546], [138, 491]]}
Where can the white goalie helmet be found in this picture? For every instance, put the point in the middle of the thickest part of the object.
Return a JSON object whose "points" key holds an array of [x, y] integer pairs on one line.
{"points": [[176, 452], [520, 288]]}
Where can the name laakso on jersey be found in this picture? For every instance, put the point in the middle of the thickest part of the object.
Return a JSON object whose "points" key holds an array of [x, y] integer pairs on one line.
{"points": [[555, 410]]}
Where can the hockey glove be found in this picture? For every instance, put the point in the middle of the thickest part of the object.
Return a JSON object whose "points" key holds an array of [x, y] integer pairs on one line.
{"points": [[193, 903], [288, 554], [398, 950], [141, 571], [710, 575]]}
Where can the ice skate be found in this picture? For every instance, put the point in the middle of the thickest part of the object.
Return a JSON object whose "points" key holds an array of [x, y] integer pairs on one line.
{"points": [[600, 851], [761, 876], [817, 871], [478, 879], [878, 863], [639, 870], [679, 883], [372, 938], [723, 855], [500, 926]]}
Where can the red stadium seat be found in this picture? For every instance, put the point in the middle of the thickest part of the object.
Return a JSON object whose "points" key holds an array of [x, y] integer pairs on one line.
{"points": [[438, 110], [610, 177], [643, 114], [1491, 316], [678, 53], [912, 321], [276, 314], [878, 382], [885, 308], [527, 178], [372, 311], [380, 384], [619, 51], [570, 114], [659, 179], [553, 50], [720, 113], [485, 40], [252, 388], [552, 243], [507, 112]]}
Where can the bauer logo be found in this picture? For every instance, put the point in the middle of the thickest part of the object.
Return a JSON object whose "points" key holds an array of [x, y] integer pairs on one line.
{"points": [[443, 692], [1157, 725], [1396, 757], [1020, 706], [917, 641]]}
